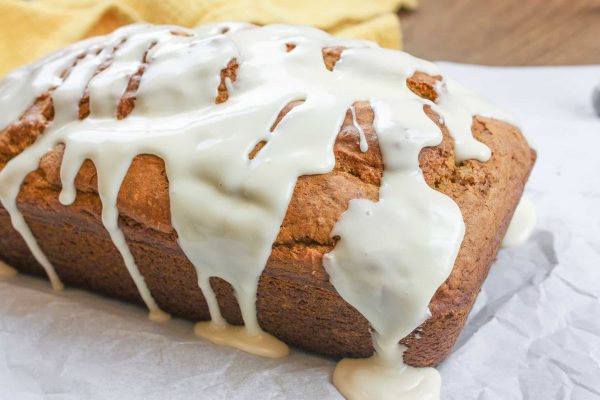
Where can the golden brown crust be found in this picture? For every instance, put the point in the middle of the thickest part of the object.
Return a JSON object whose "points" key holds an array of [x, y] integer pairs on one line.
{"points": [[423, 85], [296, 302], [331, 55], [229, 72]]}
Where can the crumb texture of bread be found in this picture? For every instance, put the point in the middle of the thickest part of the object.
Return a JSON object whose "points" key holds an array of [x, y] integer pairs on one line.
{"points": [[296, 302]]}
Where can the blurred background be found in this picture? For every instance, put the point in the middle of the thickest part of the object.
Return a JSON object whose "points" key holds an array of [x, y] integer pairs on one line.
{"points": [[508, 32]]}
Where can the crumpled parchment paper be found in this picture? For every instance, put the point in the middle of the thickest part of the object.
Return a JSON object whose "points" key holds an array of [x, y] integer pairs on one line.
{"points": [[534, 332]]}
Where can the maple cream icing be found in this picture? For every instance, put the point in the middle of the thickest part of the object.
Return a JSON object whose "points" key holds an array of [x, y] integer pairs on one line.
{"points": [[521, 225], [6, 271], [227, 209]]}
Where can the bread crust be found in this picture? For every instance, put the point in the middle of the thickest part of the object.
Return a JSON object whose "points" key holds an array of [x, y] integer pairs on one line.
{"points": [[296, 302]]}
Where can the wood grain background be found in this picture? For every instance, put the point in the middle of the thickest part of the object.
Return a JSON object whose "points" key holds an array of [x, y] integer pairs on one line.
{"points": [[505, 32]]}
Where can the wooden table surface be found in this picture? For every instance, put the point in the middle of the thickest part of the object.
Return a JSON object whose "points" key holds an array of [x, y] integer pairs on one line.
{"points": [[505, 32]]}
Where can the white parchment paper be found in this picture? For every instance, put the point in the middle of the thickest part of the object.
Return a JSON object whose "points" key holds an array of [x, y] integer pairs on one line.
{"points": [[534, 332]]}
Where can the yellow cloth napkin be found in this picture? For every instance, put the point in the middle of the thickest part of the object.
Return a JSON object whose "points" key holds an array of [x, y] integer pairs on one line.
{"points": [[30, 29]]}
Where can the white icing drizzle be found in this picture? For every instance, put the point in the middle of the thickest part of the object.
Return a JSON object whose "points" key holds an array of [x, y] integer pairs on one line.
{"points": [[521, 225], [393, 255], [227, 209], [19, 89], [363, 144], [457, 105], [10, 179]]}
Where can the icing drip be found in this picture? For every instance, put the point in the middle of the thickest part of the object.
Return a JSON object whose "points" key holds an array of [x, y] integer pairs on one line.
{"points": [[521, 225], [457, 105], [393, 254], [6, 271], [226, 207], [363, 144]]}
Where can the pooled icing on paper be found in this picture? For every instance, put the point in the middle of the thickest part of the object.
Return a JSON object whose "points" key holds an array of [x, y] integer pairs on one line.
{"points": [[392, 255], [6, 271]]}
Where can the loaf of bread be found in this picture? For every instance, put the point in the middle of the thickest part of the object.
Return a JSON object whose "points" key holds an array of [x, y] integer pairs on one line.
{"points": [[296, 301]]}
